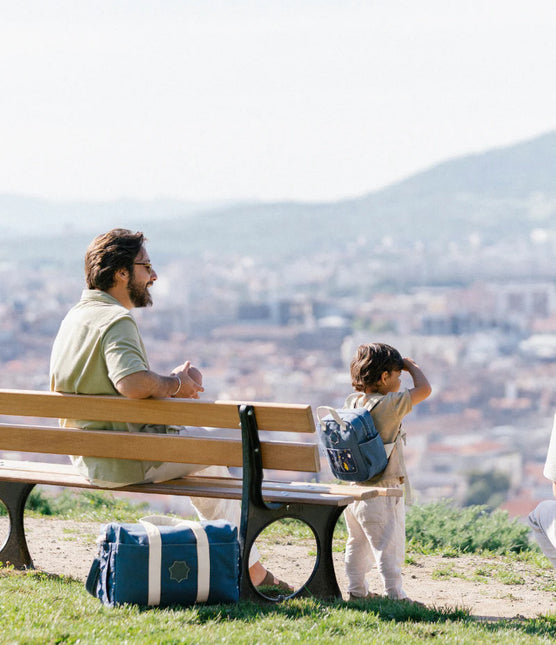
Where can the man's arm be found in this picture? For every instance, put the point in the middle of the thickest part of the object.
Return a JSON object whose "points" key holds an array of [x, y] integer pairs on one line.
{"points": [[146, 384], [421, 387]]}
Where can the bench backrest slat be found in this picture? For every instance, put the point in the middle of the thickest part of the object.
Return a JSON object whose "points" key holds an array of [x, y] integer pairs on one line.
{"points": [[210, 451], [219, 414]]}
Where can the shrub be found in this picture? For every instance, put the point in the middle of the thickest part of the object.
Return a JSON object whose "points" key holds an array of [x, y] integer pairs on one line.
{"points": [[94, 505], [474, 529], [40, 503], [37, 502], [489, 488], [84, 505]]}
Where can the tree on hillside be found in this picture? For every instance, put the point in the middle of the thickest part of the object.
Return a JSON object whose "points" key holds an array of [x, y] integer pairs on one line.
{"points": [[489, 488]]}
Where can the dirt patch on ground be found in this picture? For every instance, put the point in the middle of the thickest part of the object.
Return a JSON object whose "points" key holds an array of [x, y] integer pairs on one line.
{"points": [[487, 587]]}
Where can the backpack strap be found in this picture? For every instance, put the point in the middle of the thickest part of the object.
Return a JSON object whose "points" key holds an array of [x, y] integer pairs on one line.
{"points": [[353, 402], [324, 410], [400, 442]]}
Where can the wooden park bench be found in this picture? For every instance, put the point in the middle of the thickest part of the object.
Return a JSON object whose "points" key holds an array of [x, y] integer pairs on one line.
{"points": [[263, 500]]}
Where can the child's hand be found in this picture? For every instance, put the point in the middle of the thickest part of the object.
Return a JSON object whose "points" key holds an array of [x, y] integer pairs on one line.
{"points": [[421, 387]]}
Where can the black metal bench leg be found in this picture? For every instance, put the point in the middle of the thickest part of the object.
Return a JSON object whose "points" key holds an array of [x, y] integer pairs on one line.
{"points": [[247, 538], [322, 519], [15, 551], [256, 514], [322, 582]]}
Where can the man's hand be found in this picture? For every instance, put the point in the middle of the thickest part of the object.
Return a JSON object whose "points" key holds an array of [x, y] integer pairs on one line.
{"points": [[196, 375], [145, 384], [191, 381]]}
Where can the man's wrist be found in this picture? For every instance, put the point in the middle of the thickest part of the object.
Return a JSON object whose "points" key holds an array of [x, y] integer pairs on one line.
{"points": [[179, 385]]}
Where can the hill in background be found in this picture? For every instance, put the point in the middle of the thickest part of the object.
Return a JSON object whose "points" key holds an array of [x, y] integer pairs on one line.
{"points": [[501, 194]]}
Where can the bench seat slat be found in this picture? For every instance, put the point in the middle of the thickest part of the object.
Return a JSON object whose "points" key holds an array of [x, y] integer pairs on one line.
{"points": [[357, 492], [220, 414], [64, 475], [190, 486], [155, 447]]}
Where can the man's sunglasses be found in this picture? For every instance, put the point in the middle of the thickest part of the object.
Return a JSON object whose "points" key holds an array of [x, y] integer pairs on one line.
{"points": [[147, 266]]}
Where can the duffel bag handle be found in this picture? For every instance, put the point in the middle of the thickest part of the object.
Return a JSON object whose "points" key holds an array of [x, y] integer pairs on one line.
{"points": [[165, 520], [324, 410], [91, 584], [151, 524]]}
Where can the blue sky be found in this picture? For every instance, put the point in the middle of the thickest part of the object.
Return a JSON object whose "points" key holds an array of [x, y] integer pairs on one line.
{"points": [[309, 100]]}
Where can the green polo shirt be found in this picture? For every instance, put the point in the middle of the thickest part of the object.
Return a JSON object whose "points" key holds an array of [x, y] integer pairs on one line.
{"points": [[98, 344]]}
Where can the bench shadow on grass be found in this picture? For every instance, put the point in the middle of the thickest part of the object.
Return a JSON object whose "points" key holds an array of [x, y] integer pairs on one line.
{"points": [[400, 611], [385, 610]]}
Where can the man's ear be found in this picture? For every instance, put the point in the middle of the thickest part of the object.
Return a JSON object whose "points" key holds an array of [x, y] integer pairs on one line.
{"points": [[384, 377], [121, 275]]}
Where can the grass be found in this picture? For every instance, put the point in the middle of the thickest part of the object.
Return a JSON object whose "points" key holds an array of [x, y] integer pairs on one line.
{"points": [[445, 572], [527, 568], [40, 608], [484, 573], [36, 607]]}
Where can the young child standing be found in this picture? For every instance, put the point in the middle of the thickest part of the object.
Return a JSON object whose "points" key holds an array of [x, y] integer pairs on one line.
{"points": [[376, 527]]}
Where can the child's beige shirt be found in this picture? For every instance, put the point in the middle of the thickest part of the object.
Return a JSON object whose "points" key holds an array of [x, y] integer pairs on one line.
{"points": [[387, 411]]}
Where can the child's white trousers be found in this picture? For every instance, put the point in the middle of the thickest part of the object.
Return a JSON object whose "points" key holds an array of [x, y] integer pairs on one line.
{"points": [[376, 537], [543, 522]]}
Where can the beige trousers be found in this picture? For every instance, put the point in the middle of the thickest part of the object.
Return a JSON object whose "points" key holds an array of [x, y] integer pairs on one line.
{"points": [[376, 537]]}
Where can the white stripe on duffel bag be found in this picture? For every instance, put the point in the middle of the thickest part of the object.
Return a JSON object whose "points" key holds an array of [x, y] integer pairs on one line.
{"points": [[151, 524]]}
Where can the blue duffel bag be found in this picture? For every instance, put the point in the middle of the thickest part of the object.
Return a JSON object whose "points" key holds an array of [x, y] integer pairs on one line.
{"points": [[166, 561]]}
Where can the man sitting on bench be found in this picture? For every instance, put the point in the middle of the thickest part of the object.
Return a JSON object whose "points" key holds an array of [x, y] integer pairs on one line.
{"points": [[98, 350]]}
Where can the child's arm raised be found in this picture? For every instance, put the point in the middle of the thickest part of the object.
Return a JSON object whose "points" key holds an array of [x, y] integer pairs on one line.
{"points": [[421, 387]]}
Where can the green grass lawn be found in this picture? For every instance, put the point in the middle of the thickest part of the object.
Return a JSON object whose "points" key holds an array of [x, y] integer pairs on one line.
{"points": [[40, 608]]}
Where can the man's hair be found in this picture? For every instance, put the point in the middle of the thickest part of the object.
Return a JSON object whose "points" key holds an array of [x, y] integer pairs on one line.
{"points": [[369, 363], [108, 253]]}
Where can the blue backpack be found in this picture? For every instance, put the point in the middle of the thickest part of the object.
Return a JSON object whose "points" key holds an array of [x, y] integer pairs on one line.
{"points": [[354, 448]]}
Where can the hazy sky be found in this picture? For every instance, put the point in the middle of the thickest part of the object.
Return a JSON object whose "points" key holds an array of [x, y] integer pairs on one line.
{"points": [[265, 99]]}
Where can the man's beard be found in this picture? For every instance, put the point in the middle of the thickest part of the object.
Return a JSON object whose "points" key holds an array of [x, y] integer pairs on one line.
{"points": [[139, 296]]}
